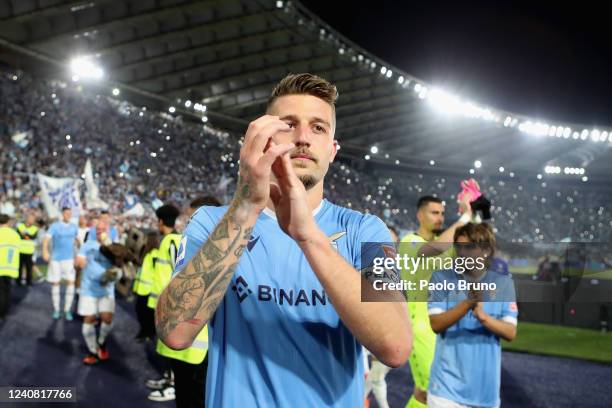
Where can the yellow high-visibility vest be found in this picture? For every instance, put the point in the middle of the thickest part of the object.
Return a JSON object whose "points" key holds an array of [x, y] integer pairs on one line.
{"points": [[28, 238], [192, 355], [10, 243], [144, 278], [164, 266]]}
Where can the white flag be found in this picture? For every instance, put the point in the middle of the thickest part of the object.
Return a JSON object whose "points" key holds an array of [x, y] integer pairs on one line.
{"points": [[136, 211], [58, 193], [92, 197]]}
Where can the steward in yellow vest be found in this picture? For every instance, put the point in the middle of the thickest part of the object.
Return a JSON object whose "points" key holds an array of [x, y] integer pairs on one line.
{"points": [[142, 287], [10, 243], [187, 363], [28, 232]]}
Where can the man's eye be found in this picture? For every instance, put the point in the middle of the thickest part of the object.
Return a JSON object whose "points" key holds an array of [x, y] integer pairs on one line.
{"points": [[291, 125], [319, 128]]}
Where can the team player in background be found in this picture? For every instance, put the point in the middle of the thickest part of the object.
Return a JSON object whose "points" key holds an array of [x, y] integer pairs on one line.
{"points": [[62, 235], [97, 297], [376, 381], [466, 370], [428, 241], [276, 274]]}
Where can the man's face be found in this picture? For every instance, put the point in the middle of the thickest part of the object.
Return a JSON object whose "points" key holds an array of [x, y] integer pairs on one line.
{"points": [[312, 131], [431, 216], [101, 231], [30, 219], [105, 218], [66, 215]]}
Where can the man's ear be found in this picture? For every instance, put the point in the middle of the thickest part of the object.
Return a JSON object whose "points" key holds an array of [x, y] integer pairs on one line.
{"points": [[335, 147]]}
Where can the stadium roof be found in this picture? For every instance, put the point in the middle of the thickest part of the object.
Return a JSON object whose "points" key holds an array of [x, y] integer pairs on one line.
{"points": [[228, 54]]}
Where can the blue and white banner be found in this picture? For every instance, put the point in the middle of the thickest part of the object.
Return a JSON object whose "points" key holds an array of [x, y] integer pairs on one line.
{"points": [[58, 193]]}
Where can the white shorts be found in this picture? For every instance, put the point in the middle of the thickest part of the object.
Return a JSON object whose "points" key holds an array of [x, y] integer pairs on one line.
{"points": [[59, 270], [91, 306]]}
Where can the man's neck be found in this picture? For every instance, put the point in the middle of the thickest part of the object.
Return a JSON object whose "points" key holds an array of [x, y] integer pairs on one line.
{"points": [[425, 234], [166, 230], [314, 196]]}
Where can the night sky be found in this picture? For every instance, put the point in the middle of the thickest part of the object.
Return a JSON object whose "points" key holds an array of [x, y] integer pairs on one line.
{"points": [[538, 58]]}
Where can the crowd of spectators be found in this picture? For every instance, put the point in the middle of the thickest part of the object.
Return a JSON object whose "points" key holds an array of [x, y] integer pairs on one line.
{"points": [[53, 128]]}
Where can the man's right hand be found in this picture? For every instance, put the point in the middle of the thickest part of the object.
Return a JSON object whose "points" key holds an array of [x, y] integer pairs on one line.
{"points": [[258, 153], [45, 256]]}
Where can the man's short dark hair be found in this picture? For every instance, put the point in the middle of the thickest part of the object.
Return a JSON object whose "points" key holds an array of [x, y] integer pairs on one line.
{"points": [[104, 212], [66, 208], [205, 200], [423, 201], [167, 214], [4, 219]]}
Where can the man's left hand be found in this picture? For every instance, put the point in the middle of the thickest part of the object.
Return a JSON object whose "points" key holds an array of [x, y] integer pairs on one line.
{"points": [[291, 201]]}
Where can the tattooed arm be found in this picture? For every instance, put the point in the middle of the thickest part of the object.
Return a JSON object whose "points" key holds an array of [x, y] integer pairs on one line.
{"points": [[193, 295]]}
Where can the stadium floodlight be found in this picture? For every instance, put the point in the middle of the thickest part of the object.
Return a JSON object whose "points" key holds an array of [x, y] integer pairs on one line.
{"points": [[539, 177], [575, 135], [67, 137], [424, 92], [187, 103], [367, 157], [204, 119], [383, 70], [116, 91], [374, 149], [279, 4], [595, 135], [471, 171], [585, 178], [400, 80], [445, 102], [478, 164], [432, 162], [417, 87], [389, 73], [84, 67], [172, 109], [507, 121], [585, 134], [566, 132], [501, 169]]}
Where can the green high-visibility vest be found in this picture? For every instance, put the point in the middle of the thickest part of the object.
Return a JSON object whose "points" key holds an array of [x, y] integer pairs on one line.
{"points": [[192, 355], [144, 277], [28, 238], [10, 243], [164, 266]]}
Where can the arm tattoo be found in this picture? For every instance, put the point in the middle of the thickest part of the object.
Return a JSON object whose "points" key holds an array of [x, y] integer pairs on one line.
{"points": [[196, 292]]}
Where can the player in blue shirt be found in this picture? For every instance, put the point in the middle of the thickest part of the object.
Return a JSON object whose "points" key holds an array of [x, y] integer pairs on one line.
{"points": [[113, 232], [97, 297], [289, 330], [469, 323], [63, 237]]}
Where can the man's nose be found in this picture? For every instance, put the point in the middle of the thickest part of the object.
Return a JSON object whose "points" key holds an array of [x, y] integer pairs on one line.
{"points": [[302, 136]]}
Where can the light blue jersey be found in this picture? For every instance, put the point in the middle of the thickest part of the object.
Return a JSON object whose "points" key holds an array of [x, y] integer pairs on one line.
{"points": [[467, 363], [63, 236], [276, 339], [113, 234], [97, 264]]}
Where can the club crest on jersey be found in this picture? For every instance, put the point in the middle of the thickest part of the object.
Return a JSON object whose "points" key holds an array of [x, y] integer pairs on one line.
{"points": [[335, 237], [389, 251]]}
